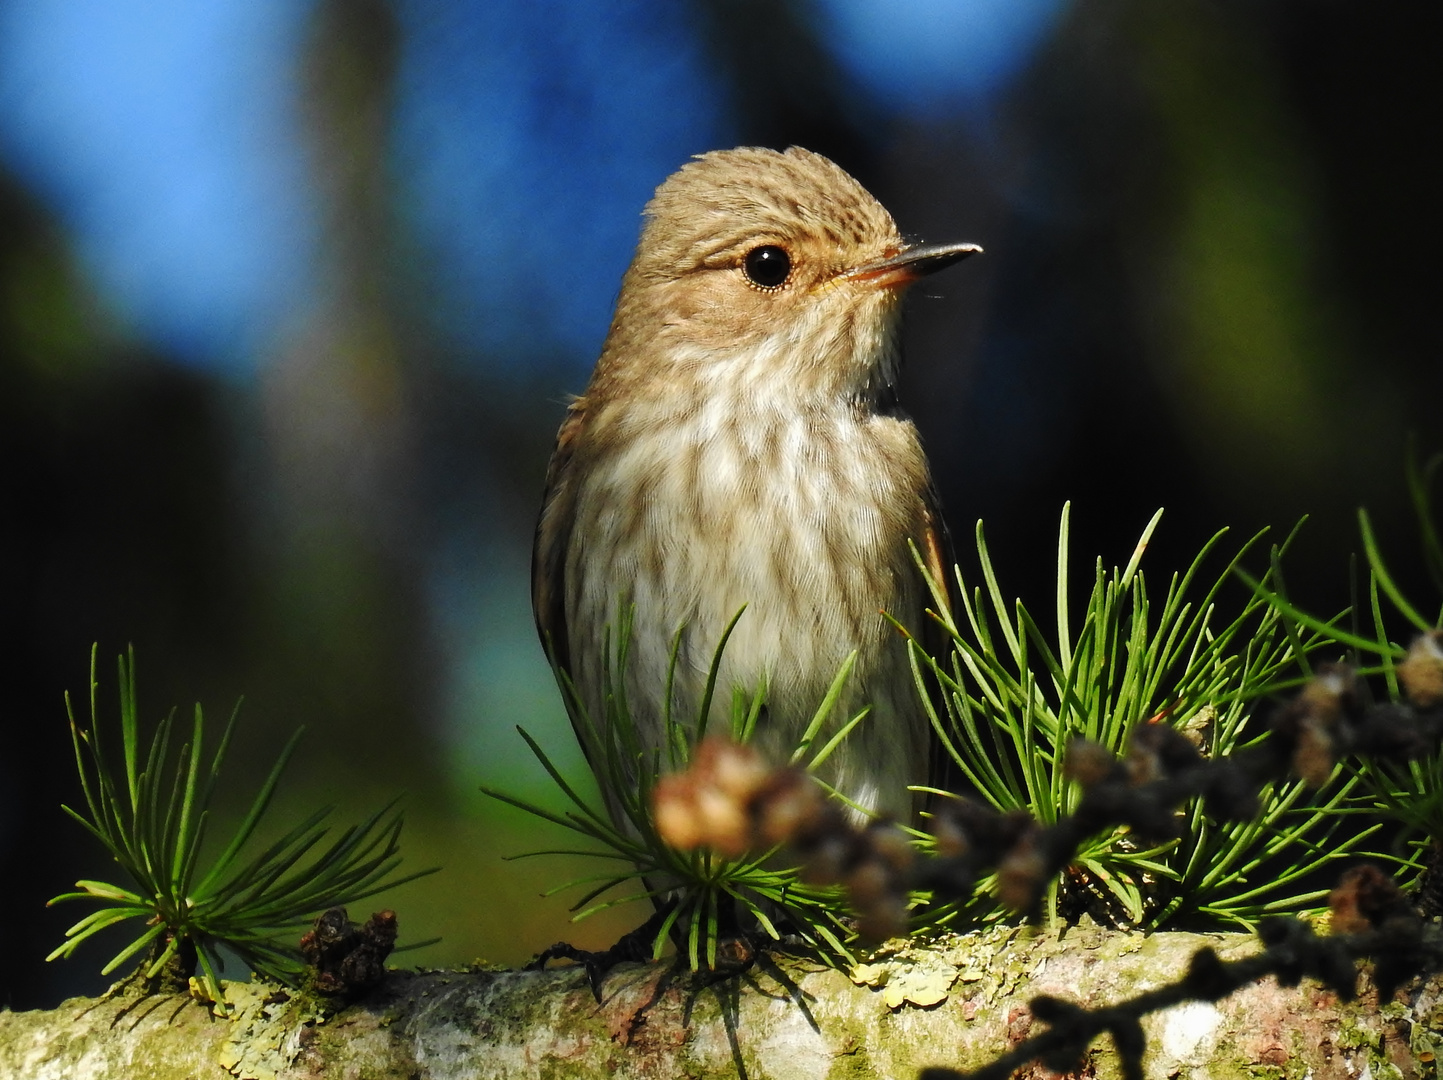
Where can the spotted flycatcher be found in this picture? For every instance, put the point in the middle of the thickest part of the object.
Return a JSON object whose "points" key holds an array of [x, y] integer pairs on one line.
{"points": [[740, 444]]}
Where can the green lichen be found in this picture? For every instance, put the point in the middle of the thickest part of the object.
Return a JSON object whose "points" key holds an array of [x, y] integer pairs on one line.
{"points": [[1353, 1035], [1265, 1072], [654, 1023]]}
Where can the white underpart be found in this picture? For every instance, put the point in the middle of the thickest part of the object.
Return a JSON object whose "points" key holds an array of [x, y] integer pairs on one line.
{"points": [[720, 498]]}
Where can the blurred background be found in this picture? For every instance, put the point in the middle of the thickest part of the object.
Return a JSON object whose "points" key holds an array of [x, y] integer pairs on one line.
{"points": [[292, 294]]}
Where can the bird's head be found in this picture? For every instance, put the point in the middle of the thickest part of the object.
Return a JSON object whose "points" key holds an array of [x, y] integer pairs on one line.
{"points": [[763, 268]]}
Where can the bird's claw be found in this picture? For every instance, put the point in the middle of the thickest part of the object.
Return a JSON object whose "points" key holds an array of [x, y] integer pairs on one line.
{"points": [[633, 947]]}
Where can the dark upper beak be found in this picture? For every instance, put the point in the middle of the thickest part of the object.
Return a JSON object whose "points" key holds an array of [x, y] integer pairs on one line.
{"points": [[921, 259], [914, 262]]}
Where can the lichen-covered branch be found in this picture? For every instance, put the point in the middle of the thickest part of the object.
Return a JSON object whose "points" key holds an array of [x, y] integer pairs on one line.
{"points": [[960, 1003]]}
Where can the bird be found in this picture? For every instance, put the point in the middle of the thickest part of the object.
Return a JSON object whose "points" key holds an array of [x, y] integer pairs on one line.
{"points": [[739, 448]]}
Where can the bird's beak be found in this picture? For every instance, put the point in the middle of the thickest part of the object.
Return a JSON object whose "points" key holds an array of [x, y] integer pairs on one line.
{"points": [[911, 263]]}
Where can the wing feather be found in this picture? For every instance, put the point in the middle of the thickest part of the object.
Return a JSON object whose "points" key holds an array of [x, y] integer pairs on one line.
{"points": [[553, 537], [934, 545]]}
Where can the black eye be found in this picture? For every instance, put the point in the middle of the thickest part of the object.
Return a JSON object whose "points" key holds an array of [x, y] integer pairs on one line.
{"points": [[768, 266]]}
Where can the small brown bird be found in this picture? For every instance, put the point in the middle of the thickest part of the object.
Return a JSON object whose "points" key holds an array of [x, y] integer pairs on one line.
{"points": [[739, 444]]}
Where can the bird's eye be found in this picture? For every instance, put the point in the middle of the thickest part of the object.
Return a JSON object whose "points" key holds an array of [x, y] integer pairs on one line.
{"points": [[767, 266]]}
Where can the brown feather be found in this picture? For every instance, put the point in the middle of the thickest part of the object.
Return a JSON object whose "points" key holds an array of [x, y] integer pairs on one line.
{"points": [[939, 559], [553, 535]]}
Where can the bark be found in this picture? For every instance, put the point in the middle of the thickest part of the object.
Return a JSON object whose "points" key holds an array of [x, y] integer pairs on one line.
{"points": [[958, 1002]]}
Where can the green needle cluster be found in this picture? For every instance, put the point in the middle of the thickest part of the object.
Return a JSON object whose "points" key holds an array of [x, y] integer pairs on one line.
{"points": [[151, 811], [1411, 794], [700, 884], [1014, 695]]}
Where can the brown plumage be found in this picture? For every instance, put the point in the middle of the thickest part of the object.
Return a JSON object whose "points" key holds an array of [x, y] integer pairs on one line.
{"points": [[739, 444]]}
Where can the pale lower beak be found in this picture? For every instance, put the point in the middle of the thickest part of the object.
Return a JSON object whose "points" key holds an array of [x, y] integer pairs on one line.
{"points": [[914, 262]]}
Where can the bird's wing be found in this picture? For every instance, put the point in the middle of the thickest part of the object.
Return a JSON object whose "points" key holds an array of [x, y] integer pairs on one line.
{"points": [[934, 545], [553, 536]]}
